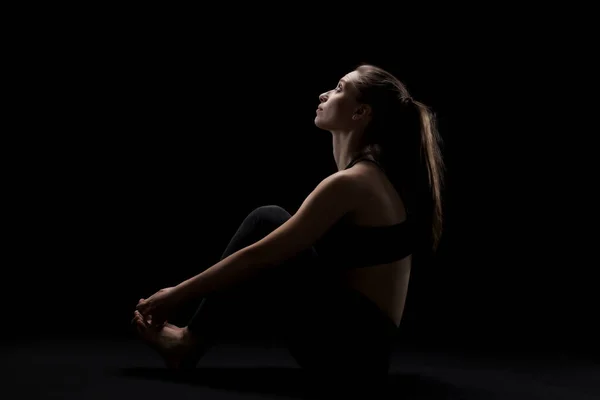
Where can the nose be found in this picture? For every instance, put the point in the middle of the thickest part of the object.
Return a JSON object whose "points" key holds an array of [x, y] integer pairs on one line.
{"points": [[323, 97]]}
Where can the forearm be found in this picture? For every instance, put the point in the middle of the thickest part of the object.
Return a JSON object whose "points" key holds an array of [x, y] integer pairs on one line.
{"points": [[232, 269]]}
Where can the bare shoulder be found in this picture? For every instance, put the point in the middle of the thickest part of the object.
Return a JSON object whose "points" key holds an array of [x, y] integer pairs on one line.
{"points": [[334, 197], [354, 181], [362, 176], [378, 193], [345, 185]]}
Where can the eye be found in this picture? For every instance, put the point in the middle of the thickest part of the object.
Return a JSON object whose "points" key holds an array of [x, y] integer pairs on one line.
{"points": [[339, 87]]}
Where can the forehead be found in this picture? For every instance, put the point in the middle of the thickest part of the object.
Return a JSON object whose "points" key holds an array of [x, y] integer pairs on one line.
{"points": [[348, 81], [349, 77]]}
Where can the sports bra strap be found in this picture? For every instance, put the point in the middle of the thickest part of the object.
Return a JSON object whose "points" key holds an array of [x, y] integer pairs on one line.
{"points": [[364, 159]]}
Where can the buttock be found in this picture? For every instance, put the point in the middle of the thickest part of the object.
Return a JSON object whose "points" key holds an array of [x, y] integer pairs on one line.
{"points": [[340, 328], [344, 309]]}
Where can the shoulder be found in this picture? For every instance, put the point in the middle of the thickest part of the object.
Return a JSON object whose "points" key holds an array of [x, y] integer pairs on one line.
{"points": [[334, 197], [361, 177], [345, 187], [340, 180]]}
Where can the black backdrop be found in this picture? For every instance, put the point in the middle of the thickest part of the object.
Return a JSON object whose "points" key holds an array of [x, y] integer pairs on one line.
{"points": [[138, 157]]}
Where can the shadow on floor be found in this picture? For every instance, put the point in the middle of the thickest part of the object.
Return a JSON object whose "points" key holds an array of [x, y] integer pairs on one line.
{"points": [[297, 383]]}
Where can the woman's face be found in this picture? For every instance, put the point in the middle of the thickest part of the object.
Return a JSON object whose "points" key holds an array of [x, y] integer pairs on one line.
{"points": [[338, 106]]}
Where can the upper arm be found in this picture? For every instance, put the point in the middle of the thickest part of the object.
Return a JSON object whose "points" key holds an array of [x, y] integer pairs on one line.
{"points": [[334, 197]]}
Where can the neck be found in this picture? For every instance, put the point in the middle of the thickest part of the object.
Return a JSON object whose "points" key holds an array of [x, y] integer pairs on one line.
{"points": [[345, 147]]}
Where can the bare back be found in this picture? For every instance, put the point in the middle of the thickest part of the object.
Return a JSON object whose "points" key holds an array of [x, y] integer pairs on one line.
{"points": [[385, 284]]}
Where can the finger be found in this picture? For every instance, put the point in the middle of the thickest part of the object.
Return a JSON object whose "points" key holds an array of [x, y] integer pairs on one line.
{"points": [[140, 321], [137, 318], [147, 317], [143, 308], [137, 314], [140, 326], [150, 319]]}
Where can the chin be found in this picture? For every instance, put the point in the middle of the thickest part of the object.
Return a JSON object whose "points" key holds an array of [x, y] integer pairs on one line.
{"points": [[319, 124]]}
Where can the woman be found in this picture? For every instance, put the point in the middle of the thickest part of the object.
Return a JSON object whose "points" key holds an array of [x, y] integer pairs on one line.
{"points": [[332, 279]]}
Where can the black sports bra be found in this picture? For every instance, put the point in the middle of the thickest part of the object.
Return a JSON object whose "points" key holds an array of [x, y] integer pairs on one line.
{"points": [[349, 245]]}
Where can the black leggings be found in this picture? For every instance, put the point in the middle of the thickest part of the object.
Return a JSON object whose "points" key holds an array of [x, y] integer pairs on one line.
{"points": [[324, 325]]}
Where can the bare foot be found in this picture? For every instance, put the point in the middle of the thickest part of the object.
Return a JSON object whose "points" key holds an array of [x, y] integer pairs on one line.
{"points": [[175, 345]]}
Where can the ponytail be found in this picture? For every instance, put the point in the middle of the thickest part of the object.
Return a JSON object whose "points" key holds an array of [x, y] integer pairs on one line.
{"points": [[403, 137], [432, 155]]}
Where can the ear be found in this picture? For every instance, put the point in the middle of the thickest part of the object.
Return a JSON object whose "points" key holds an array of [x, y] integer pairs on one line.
{"points": [[362, 111]]}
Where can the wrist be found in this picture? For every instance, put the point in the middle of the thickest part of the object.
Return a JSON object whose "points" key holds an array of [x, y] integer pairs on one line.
{"points": [[183, 292]]}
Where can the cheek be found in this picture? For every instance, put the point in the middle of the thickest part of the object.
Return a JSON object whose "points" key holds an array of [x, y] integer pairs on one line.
{"points": [[339, 109], [343, 111]]}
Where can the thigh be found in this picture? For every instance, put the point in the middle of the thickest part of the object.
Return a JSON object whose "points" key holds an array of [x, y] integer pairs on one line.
{"points": [[265, 284], [261, 303]]}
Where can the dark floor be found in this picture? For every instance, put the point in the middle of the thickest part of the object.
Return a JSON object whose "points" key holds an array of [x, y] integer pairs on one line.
{"points": [[93, 369]]}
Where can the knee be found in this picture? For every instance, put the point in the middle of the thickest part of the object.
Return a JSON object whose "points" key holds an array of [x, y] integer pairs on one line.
{"points": [[270, 215], [265, 219]]}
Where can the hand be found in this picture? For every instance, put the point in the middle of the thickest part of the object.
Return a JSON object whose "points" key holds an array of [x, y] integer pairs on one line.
{"points": [[159, 305]]}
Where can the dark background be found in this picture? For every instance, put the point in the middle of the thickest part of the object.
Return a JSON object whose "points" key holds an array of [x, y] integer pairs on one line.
{"points": [[137, 156]]}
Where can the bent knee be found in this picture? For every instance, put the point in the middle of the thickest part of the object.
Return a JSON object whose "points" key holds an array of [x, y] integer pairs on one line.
{"points": [[273, 213], [270, 214]]}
